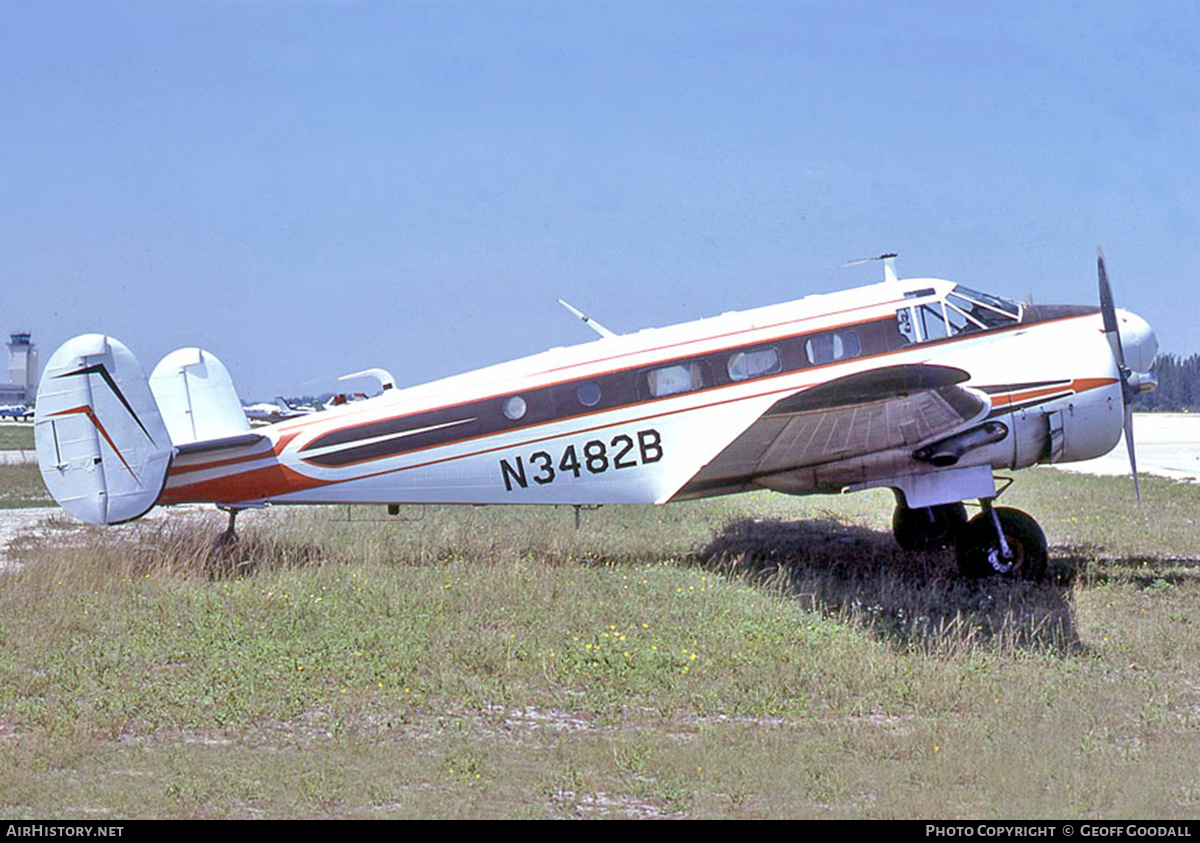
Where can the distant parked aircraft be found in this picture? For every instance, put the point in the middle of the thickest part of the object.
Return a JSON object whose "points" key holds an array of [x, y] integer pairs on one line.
{"points": [[270, 413], [16, 411]]}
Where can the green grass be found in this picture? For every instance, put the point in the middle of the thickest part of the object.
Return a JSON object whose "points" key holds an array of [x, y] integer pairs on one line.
{"points": [[16, 437], [756, 656], [21, 486]]}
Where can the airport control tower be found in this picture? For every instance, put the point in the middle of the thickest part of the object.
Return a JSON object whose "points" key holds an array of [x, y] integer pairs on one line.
{"points": [[23, 364]]}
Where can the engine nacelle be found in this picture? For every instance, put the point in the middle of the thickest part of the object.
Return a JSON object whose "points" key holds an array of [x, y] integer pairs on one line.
{"points": [[949, 451]]}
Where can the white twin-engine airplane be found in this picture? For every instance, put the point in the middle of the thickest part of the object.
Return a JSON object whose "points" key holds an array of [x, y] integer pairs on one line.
{"points": [[918, 385]]}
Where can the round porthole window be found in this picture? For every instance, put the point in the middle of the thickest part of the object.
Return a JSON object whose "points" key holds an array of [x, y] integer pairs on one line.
{"points": [[514, 407], [589, 395]]}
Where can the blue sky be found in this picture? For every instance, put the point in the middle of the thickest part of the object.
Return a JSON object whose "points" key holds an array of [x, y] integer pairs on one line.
{"points": [[311, 188]]}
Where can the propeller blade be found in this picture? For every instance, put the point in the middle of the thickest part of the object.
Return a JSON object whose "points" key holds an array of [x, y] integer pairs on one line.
{"points": [[1137, 489], [1109, 311]]}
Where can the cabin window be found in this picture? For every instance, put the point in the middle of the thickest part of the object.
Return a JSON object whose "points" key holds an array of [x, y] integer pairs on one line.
{"points": [[754, 364], [832, 346], [514, 408], [933, 324], [588, 394], [672, 380]]}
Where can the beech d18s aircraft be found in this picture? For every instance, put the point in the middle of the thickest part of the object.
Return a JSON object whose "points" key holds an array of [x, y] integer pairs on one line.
{"points": [[919, 385]]}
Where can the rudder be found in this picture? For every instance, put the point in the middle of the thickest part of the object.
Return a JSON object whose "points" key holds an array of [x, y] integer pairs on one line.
{"points": [[196, 397], [102, 447]]}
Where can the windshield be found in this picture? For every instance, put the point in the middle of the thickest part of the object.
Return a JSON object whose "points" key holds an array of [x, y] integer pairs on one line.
{"points": [[983, 308], [962, 311]]}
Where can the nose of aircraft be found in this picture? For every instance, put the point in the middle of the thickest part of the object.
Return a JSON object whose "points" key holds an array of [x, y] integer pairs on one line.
{"points": [[1137, 341]]}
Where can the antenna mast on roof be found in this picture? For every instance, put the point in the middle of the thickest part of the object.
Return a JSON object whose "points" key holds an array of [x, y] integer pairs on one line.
{"points": [[589, 321], [889, 265]]}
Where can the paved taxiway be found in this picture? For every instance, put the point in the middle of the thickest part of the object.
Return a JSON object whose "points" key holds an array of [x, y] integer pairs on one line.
{"points": [[1168, 445]]}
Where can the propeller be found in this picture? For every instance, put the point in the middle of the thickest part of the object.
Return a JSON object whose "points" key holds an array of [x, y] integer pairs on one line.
{"points": [[1129, 389]]}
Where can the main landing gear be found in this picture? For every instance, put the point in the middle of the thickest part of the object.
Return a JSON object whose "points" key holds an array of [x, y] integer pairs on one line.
{"points": [[928, 527], [999, 541], [226, 540]]}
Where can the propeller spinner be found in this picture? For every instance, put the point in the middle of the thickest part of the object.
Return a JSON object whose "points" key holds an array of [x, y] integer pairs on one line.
{"points": [[1144, 346]]}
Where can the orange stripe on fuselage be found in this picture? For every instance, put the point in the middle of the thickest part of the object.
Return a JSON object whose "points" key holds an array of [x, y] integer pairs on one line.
{"points": [[1088, 384], [177, 470], [1025, 395], [737, 332], [266, 482], [274, 451], [1076, 386]]}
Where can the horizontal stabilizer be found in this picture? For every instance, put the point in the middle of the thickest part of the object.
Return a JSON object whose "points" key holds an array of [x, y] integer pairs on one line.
{"points": [[229, 443], [102, 447]]}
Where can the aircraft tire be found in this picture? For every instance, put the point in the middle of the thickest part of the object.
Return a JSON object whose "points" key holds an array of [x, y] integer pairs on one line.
{"points": [[928, 528], [978, 543]]}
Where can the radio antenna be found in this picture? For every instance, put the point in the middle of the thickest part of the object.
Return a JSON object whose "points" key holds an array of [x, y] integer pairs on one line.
{"points": [[889, 265]]}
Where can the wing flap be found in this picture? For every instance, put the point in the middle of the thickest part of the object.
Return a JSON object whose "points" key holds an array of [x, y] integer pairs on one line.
{"points": [[891, 409]]}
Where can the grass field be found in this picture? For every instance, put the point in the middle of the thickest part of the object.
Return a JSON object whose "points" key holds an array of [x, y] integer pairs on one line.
{"points": [[16, 437], [756, 656], [21, 486]]}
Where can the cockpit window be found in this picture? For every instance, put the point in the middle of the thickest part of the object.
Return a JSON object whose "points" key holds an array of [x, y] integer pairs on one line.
{"points": [[988, 310], [962, 311], [961, 323]]}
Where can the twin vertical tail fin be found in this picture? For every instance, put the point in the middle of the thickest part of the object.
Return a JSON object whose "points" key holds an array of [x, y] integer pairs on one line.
{"points": [[106, 436], [196, 397], [102, 447]]}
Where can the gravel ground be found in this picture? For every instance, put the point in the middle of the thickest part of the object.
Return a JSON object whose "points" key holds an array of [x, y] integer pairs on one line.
{"points": [[18, 457], [16, 522]]}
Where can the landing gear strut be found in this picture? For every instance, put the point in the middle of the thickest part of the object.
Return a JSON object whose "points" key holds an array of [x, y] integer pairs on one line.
{"points": [[928, 527], [228, 538], [1001, 541]]}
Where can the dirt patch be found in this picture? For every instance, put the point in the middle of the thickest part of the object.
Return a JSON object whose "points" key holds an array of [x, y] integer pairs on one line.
{"points": [[24, 524]]}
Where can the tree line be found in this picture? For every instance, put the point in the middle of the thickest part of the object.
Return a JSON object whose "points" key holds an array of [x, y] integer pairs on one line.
{"points": [[1178, 386]]}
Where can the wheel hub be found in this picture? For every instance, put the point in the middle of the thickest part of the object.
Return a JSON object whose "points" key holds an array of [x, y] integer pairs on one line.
{"points": [[996, 560]]}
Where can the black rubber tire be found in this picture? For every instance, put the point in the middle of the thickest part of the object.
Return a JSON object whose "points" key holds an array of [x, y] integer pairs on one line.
{"points": [[1024, 536], [928, 528]]}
